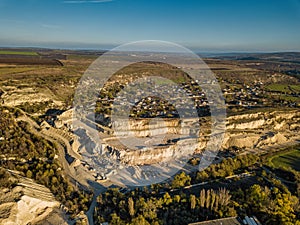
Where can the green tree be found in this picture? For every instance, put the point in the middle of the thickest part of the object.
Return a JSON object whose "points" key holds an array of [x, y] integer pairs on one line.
{"points": [[116, 220], [140, 220], [176, 198], [181, 180], [167, 199], [151, 208], [29, 174], [202, 176]]}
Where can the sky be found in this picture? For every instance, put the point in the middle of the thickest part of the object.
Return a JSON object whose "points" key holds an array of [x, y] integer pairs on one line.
{"points": [[201, 25]]}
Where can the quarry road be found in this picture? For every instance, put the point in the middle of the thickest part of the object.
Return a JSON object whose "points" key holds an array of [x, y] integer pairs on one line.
{"points": [[90, 212], [52, 132], [97, 190], [34, 129]]}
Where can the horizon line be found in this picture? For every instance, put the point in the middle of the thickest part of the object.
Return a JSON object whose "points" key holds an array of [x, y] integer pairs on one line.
{"points": [[212, 51]]}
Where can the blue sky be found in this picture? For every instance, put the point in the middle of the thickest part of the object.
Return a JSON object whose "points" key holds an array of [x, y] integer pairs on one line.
{"points": [[202, 25]]}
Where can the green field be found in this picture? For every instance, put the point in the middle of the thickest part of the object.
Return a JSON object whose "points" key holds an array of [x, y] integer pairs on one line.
{"points": [[4, 52], [283, 88], [290, 98], [295, 88], [278, 87], [288, 159]]}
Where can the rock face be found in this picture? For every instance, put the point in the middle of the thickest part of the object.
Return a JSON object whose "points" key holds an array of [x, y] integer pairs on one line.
{"points": [[154, 127], [240, 140], [64, 119], [151, 155], [29, 203], [262, 129], [247, 131]]}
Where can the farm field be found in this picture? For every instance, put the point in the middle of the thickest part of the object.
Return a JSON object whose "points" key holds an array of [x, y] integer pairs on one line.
{"points": [[284, 88], [7, 52]]}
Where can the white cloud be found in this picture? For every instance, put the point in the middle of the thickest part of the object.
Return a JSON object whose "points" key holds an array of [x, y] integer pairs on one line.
{"points": [[50, 26]]}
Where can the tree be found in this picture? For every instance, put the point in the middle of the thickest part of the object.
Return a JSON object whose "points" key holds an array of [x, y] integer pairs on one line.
{"points": [[131, 207], [193, 201], [202, 198], [176, 198], [181, 180], [213, 199], [151, 208], [207, 199], [224, 197], [116, 220], [157, 223], [216, 203], [278, 207], [140, 205], [167, 199], [29, 174], [140, 220], [202, 176]]}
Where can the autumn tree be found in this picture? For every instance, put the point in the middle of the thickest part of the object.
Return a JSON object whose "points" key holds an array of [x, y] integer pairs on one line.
{"points": [[181, 180], [131, 207], [140, 220], [193, 201]]}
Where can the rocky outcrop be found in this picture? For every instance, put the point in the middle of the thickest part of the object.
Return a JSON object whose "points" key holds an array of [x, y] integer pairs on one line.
{"points": [[240, 140], [247, 125], [262, 129], [278, 120], [29, 203], [151, 155], [247, 131], [153, 127]]}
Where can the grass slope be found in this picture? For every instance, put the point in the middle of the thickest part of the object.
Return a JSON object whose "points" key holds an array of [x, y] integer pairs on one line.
{"points": [[288, 159]]}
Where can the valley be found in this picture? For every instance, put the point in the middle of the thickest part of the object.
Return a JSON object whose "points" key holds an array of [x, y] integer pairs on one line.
{"points": [[92, 154]]}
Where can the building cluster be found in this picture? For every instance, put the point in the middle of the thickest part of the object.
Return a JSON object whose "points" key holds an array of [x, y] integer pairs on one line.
{"points": [[247, 96], [163, 100]]}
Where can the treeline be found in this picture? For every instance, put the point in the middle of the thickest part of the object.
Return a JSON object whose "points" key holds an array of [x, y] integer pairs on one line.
{"points": [[140, 207], [271, 206], [35, 158], [35, 107], [227, 167], [268, 199]]}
